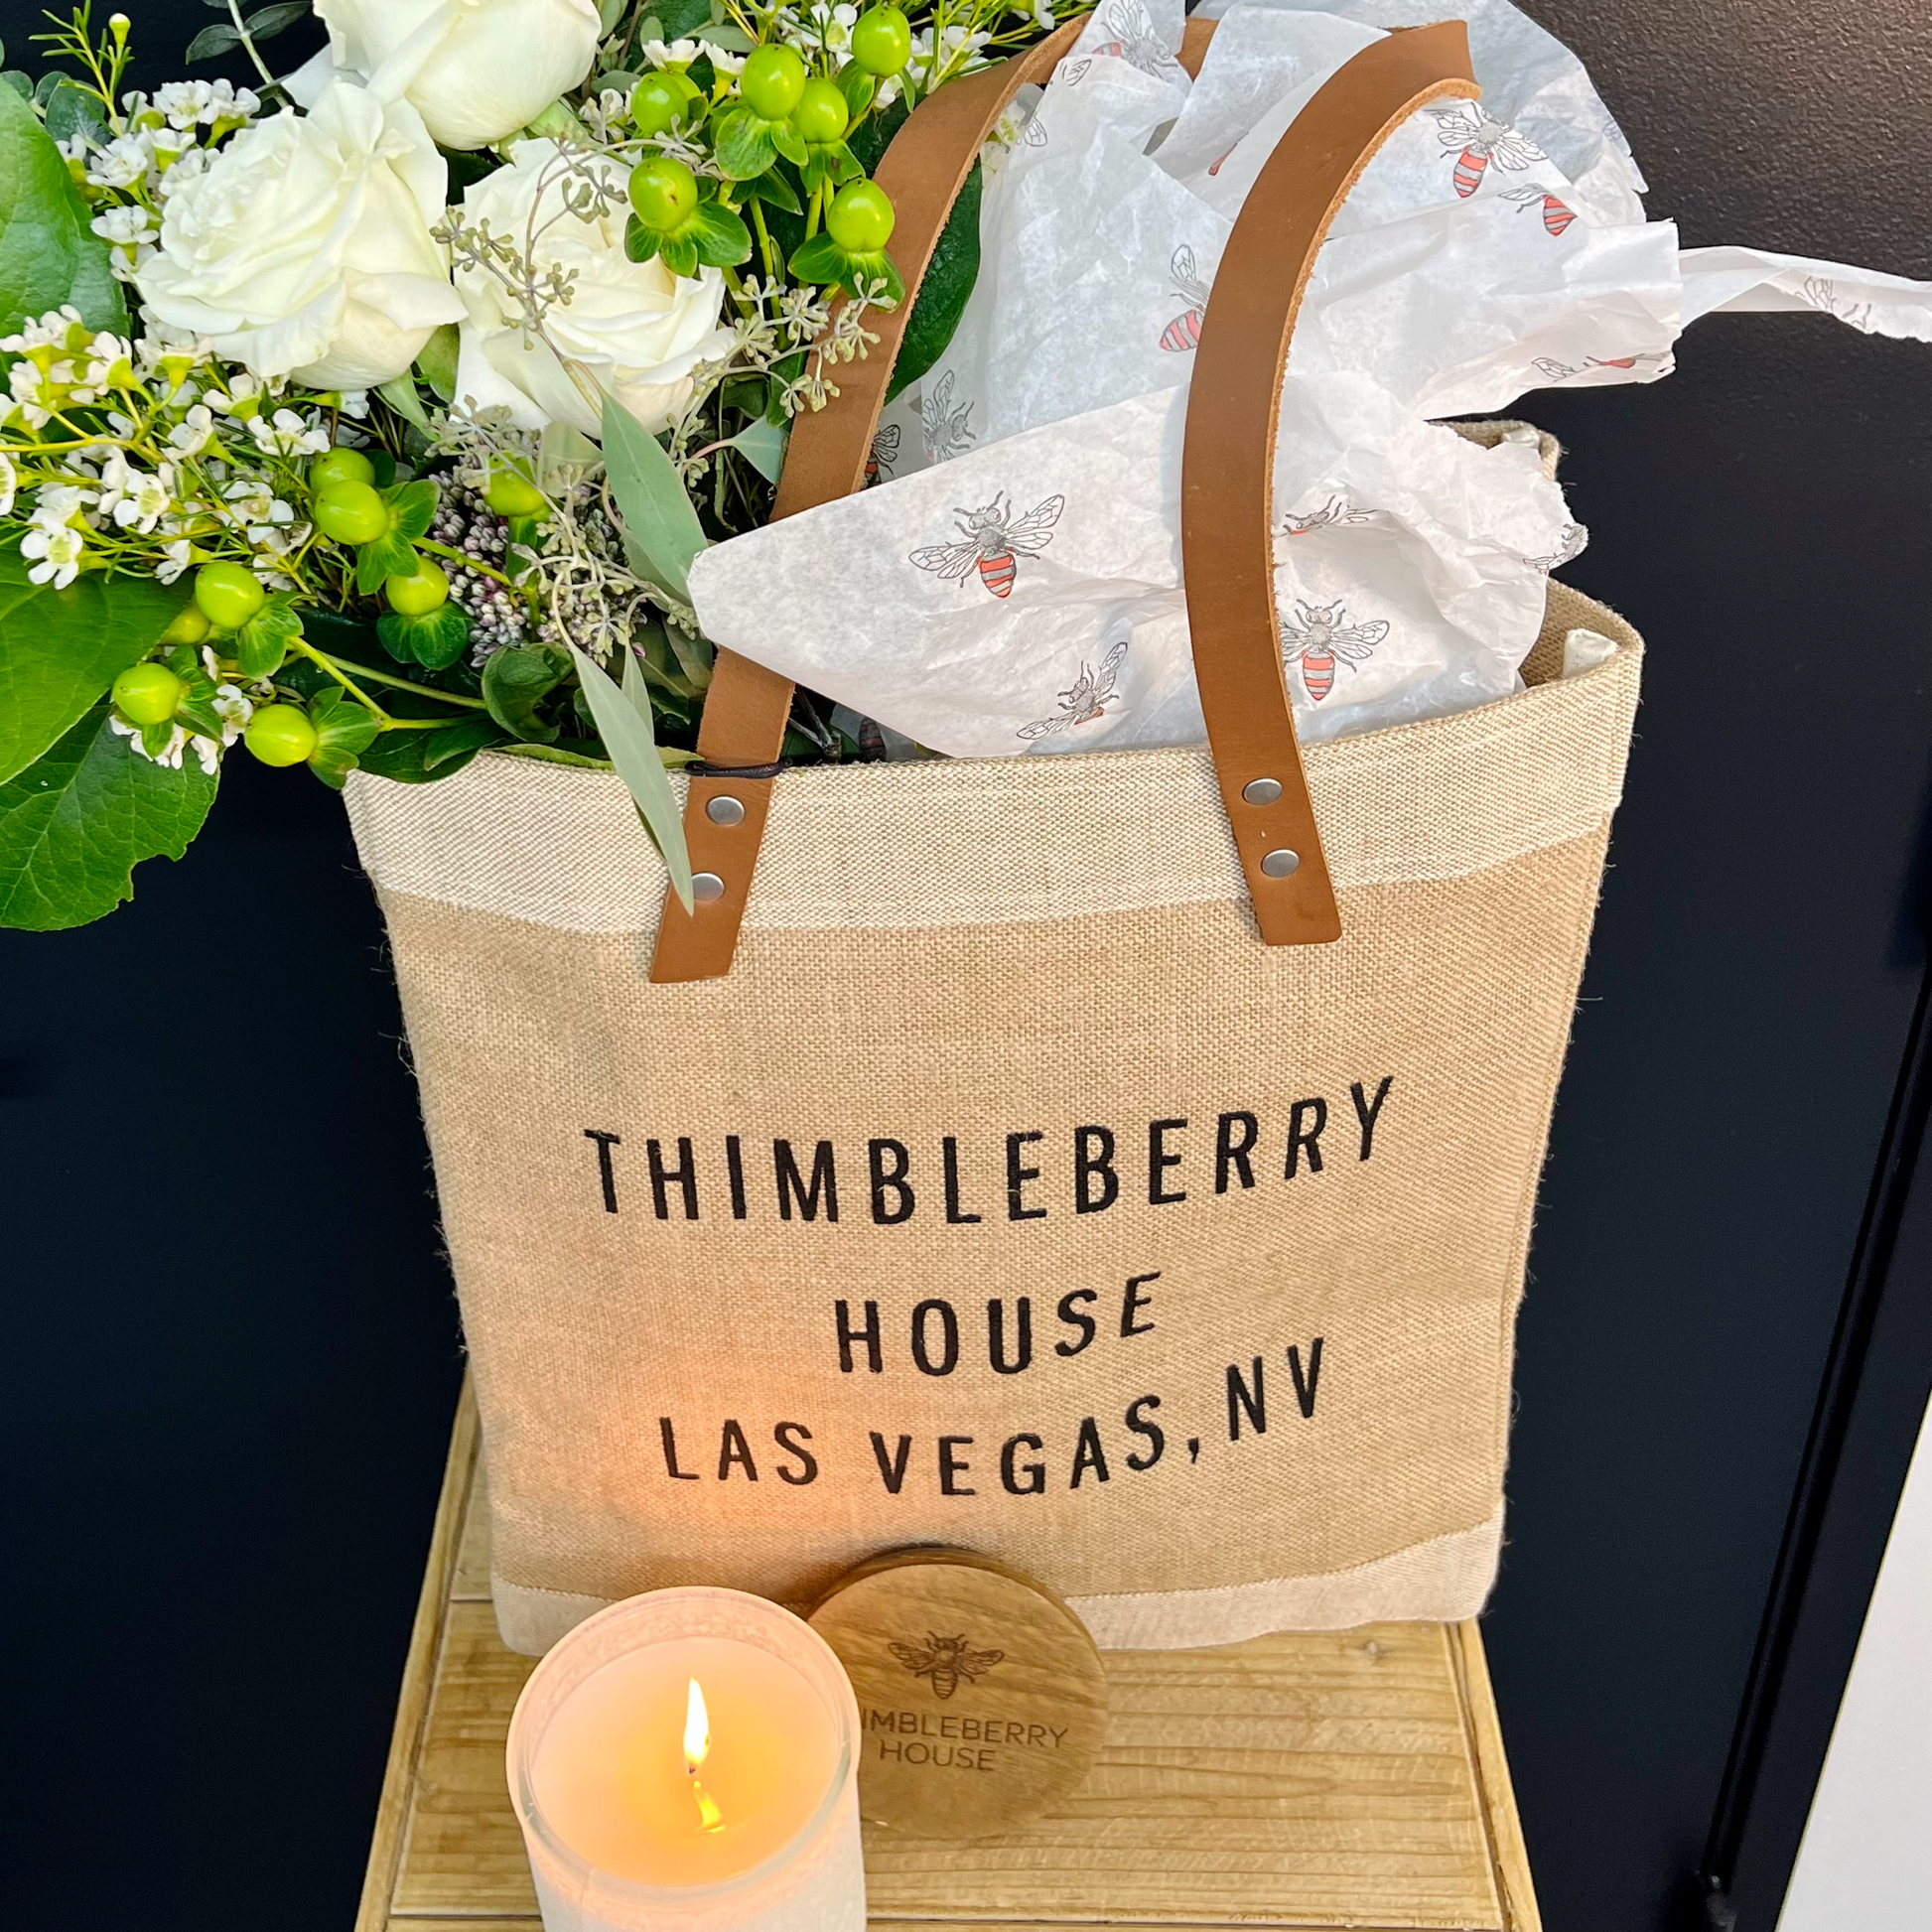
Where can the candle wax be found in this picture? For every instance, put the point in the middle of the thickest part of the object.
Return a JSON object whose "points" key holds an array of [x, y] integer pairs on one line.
{"points": [[612, 1779]]}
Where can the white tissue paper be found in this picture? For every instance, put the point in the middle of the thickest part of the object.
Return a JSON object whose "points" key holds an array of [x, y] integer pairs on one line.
{"points": [[1014, 582]]}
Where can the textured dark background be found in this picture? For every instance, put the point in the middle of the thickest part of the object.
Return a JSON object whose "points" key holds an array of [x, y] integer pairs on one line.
{"points": [[229, 1349]]}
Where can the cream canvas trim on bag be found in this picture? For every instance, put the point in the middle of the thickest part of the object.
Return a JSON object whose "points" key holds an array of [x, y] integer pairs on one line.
{"points": [[981, 840], [1443, 1581]]}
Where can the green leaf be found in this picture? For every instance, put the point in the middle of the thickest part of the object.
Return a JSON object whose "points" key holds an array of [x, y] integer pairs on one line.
{"points": [[684, 19], [74, 825], [49, 255], [661, 530], [270, 21], [695, 655], [641, 244], [435, 642], [390, 555], [858, 87], [344, 729], [722, 237], [437, 362], [412, 509], [943, 295], [73, 109], [417, 758], [211, 43], [763, 446], [263, 641], [516, 683], [872, 270], [60, 651], [788, 141], [774, 191], [21, 84], [743, 144], [609, 13], [820, 260], [624, 723], [399, 392], [680, 255]]}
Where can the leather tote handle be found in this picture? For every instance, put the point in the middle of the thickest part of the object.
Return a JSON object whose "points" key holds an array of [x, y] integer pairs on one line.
{"points": [[1227, 466]]}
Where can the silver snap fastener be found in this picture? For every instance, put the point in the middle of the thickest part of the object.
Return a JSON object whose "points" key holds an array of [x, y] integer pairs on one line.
{"points": [[706, 885], [725, 811], [1281, 862], [1262, 791]]}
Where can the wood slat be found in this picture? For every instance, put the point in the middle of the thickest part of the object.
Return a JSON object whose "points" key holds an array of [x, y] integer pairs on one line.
{"points": [[1316, 1780]]}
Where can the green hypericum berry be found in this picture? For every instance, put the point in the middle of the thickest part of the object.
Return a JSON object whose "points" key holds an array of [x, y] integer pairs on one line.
{"points": [[860, 219], [659, 101], [881, 41], [822, 114], [334, 466], [190, 626], [147, 694], [352, 512], [281, 733], [511, 493], [772, 81], [424, 589], [663, 191], [228, 595]]}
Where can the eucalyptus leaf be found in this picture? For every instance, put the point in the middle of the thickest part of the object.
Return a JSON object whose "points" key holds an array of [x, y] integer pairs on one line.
{"points": [[609, 13], [60, 651], [727, 34], [76, 824], [21, 84], [49, 254], [661, 530], [763, 445], [624, 723]]}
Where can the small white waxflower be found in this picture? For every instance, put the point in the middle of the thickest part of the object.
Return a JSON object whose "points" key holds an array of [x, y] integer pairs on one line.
{"points": [[168, 754], [231, 705], [194, 432], [58, 554], [286, 434], [681, 53], [124, 161], [182, 101], [176, 558], [9, 482], [1043, 16], [57, 504], [145, 502]]}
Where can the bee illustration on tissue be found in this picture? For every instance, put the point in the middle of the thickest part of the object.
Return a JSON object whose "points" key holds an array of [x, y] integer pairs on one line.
{"points": [[1334, 514], [1557, 215], [882, 455], [1183, 331], [1322, 637], [945, 431], [1134, 38], [1092, 692], [1476, 139], [993, 539]]}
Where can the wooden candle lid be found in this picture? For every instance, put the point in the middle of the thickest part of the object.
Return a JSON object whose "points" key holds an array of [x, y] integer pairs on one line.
{"points": [[982, 1701]]}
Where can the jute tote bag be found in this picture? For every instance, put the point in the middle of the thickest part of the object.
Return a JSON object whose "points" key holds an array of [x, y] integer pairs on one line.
{"points": [[1082, 1159]]}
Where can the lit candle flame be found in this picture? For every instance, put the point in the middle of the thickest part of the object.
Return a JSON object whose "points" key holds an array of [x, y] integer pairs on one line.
{"points": [[697, 1747]]}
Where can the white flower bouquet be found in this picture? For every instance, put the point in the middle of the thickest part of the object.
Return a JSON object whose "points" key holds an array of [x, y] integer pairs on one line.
{"points": [[372, 416]]}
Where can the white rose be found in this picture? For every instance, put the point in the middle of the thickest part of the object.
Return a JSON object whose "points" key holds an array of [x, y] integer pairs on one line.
{"points": [[305, 250], [632, 329], [476, 70]]}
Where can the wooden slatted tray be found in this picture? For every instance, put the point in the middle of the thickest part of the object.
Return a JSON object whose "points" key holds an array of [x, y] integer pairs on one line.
{"points": [[1318, 1781]]}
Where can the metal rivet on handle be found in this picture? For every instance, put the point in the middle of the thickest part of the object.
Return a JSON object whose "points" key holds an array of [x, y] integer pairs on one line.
{"points": [[725, 810], [1262, 791], [706, 885], [1281, 862]]}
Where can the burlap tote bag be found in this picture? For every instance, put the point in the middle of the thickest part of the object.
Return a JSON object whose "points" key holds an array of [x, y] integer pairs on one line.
{"points": [[1079, 1158]]}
